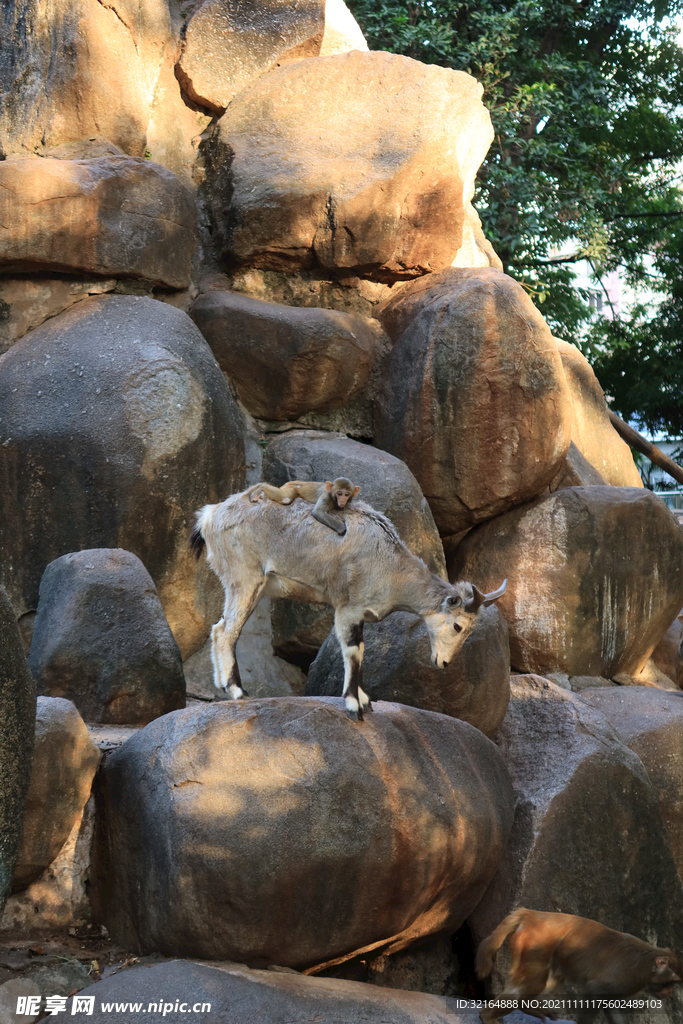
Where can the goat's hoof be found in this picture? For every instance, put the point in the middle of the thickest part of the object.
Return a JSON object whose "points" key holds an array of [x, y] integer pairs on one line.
{"points": [[368, 707], [353, 715]]}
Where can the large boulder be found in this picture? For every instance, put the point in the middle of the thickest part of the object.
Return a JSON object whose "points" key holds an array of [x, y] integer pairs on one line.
{"points": [[386, 484], [474, 687], [17, 721], [667, 655], [592, 431], [650, 722], [117, 216], [118, 408], [588, 838], [101, 639], [230, 993], [27, 301], [342, 31], [229, 43], [595, 576], [278, 831], [286, 361], [64, 763], [473, 397], [319, 163]]}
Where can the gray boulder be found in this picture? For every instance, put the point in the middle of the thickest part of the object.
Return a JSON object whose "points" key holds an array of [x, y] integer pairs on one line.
{"points": [[64, 764], [119, 409], [17, 723], [231, 993], [286, 361], [101, 639], [588, 836], [276, 830], [650, 722], [397, 666]]}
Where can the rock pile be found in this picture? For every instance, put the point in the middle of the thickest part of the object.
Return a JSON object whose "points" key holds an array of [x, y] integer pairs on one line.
{"points": [[249, 252]]}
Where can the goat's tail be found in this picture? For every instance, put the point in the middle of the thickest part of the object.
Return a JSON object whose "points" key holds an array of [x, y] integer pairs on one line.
{"points": [[495, 940], [197, 542]]}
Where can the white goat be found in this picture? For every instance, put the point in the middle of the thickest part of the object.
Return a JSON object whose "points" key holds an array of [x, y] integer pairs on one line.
{"points": [[266, 549]]}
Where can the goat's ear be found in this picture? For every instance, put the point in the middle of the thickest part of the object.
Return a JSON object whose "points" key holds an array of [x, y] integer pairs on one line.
{"points": [[661, 963], [356, 491], [328, 486]]}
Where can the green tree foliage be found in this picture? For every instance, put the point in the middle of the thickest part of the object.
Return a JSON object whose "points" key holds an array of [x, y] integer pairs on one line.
{"points": [[586, 100]]}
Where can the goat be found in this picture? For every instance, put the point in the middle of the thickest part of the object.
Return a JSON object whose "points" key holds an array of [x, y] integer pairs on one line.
{"points": [[267, 549]]}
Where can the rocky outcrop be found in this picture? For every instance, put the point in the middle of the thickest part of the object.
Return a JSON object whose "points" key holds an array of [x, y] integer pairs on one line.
{"points": [[64, 763], [397, 666], [342, 31], [116, 216], [278, 831], [595, 575], [473, 397], [28, 301], [363, 162], [229, 44], [667, 655], [592, 431], [650, 722], [286, 361], [101, 639], [119, 409], [17, 719], [576, 471], [236, 993], [588, 837]]}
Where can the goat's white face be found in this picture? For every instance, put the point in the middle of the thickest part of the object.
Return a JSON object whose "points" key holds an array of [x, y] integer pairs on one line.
{"points": [[450, 626]]}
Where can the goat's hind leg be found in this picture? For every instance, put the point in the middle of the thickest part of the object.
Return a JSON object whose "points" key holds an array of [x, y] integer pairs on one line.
{"points": [[239, 605], [350, 636]]}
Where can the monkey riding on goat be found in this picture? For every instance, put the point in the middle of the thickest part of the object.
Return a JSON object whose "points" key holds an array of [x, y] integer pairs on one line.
{"points": [[326, 496], [262, 549]]}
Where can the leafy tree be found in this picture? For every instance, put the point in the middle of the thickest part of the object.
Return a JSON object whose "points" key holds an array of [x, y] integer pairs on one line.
{"points": [[586, 100]]}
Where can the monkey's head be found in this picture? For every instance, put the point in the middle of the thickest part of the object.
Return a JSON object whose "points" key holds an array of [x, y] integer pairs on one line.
{"points": [[341, 491], [667, 969]]}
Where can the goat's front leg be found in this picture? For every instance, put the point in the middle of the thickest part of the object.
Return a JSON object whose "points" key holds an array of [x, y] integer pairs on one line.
{"points": [[239, 604], [350, 636]]}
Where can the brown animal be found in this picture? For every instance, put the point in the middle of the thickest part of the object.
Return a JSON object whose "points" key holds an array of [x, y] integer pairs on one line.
{"points": [[326, 496], [549, 949]]}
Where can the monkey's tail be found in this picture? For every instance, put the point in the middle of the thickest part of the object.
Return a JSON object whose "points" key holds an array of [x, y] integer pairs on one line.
{"points": [[484, 963]]}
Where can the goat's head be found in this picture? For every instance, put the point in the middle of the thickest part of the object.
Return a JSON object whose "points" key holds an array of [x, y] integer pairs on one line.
{"points": [[453, 621]]}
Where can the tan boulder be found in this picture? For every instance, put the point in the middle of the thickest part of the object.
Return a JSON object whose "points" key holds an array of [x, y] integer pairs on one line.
{"points": [[473, 397], [64, 763], [57, 89], [283, 360], [592, 432], [588, 836], [650, 722], [361, 161], [342, 31], [229, 43], [115, 216], [575, 471], [297, 837], [27, 301], [595, 575]]}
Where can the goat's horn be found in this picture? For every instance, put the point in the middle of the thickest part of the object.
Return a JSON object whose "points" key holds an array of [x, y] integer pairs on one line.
{"points": [[495, 594], [479, 599]]}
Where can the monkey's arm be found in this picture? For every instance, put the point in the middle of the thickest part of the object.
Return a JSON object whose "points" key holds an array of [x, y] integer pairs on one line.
{"points": [[321, 515]]}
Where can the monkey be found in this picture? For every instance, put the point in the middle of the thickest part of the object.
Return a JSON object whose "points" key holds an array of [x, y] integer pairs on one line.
{"points": [[325, 496], [548, 949]]}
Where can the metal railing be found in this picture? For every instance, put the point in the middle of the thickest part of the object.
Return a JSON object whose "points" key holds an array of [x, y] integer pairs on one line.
{"points": [[674, 499]]}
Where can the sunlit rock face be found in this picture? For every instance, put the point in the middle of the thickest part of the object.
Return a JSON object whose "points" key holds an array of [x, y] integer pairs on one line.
{"points": [[592, 431], [64, 764], [116, 425], [472, 395], [360, 161], [278, 831], [595, 576], [116, 216], [228, 43]]}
